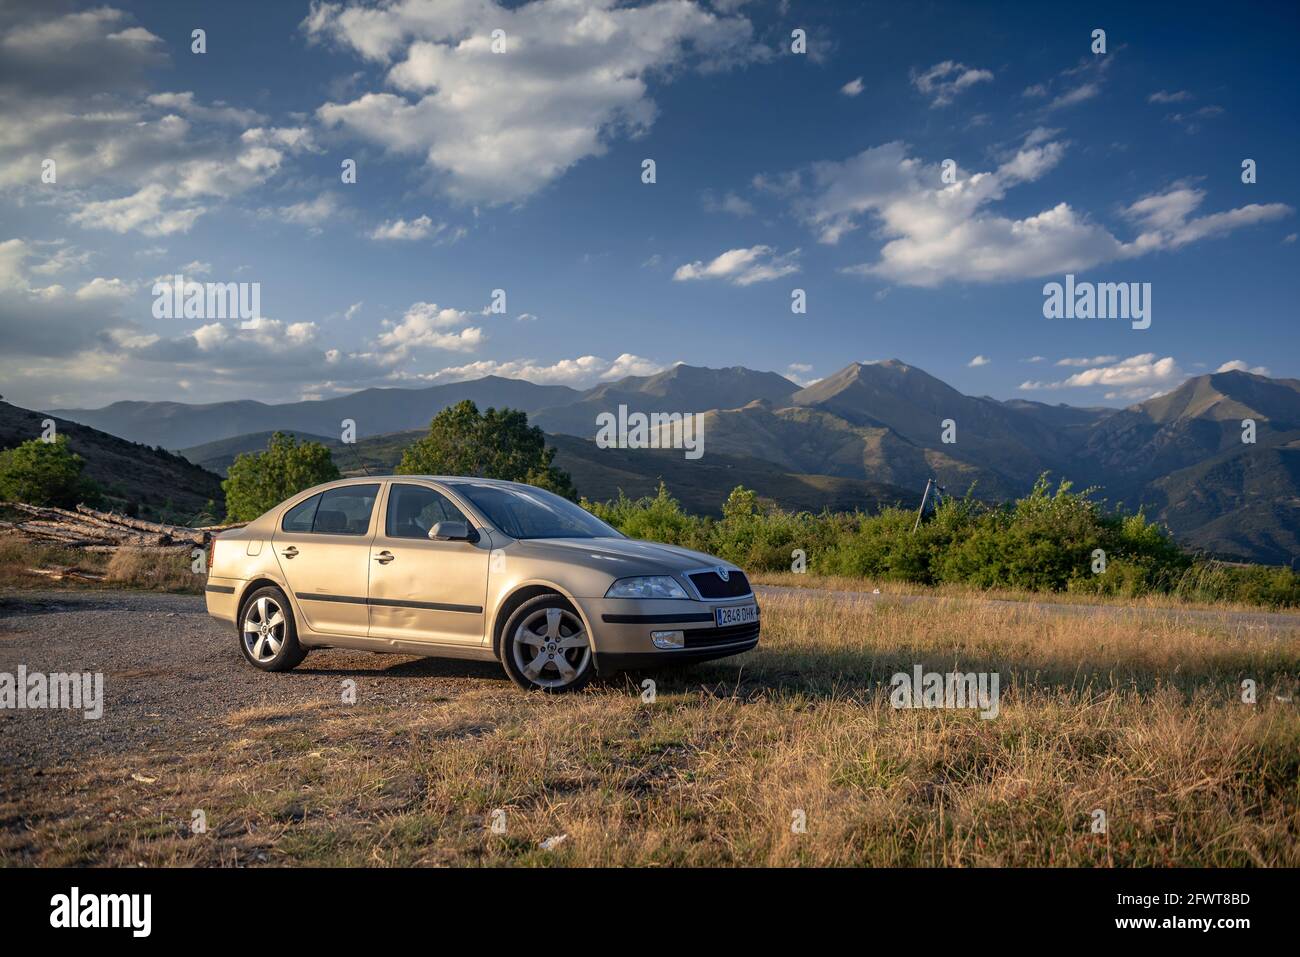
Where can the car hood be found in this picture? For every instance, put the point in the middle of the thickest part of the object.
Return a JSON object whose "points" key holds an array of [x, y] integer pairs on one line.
{"points": [[620, 557]]}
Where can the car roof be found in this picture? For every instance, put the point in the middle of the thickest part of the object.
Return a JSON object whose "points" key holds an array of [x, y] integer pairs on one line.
{"points": [[447, 479]]}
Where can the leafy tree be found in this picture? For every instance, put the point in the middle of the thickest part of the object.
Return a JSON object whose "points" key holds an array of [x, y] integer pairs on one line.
{"points": [[259, 481], [45, 473], [495, 443]]}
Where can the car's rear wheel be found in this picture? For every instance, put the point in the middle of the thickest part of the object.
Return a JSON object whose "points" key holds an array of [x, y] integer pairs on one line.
{"points": [[545, 646], [268, 636]]}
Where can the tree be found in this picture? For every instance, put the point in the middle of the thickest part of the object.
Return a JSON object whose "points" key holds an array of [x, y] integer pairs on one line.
{"points": [[259, 481], [496, 443], [45, 473]]}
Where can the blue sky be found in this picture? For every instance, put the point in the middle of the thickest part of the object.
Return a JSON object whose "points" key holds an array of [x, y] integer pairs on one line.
{"points": [[521, 171]]}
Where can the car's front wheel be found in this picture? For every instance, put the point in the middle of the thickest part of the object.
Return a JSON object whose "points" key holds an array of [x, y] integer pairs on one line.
{"points": [[268, 636], [545, 647]]}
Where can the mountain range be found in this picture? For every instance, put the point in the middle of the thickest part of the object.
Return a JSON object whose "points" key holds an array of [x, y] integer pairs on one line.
{"points": [[871, 433]]}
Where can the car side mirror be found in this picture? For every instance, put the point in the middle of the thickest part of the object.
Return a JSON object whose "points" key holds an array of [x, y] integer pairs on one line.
{"points": [[453, 532]]}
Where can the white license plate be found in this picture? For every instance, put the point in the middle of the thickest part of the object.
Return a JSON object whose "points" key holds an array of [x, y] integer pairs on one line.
{"points": [[735, 615]]}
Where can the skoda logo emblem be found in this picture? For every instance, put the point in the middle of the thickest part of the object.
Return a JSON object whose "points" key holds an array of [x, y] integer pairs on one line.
{"points": [[724, 574]]}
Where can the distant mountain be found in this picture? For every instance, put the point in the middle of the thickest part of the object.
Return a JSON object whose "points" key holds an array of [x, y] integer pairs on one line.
{"points": [[682, 388], [1179, 456], [176, 425], [129, 473], [701, 485], [218, 456]]}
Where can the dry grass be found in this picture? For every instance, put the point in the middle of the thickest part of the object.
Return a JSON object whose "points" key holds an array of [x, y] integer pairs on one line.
{"points": [[1127, 714], [953, 590], [129, 567]]}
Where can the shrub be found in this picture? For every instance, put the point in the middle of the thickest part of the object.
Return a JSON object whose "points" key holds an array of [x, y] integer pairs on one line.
{"points": [[45, 473]]}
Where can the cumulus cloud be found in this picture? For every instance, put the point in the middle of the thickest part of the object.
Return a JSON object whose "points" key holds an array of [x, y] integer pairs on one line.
{"points": [[1084, 362], [1238, 365], [581, 372], [426, 325], [72, 88], [978, 361], [729, 203], [1137, 377], [496, 127], [404, 230], [935, 232], [943, 82], [1167, 221], [742, 267], [853, 87]]}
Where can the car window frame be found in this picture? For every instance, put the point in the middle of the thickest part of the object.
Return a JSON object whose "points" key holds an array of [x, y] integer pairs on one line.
{"points": [[285, 516], [429, 486], [379, 490]]}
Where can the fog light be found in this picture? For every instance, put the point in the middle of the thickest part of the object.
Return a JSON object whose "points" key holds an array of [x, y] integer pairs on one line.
{"points": [[668, 639]]}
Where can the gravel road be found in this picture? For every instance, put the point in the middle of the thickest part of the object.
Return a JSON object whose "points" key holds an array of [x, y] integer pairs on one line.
{"points": [[170, 671]]}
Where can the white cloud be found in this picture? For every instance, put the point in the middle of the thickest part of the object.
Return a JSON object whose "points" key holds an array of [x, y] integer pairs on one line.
{"points": [[425, 325], [1162, 96], [944, 81], [935, 232], [401, 229], [497, 127], [1238, 365], [352, 310], [1035, 359], [853, 87], [978, 361], [1084, 362], [742, 267], [581, 372], [1167, 220], [101, 288], [730, 203], [312, 213], [1136, 377]]}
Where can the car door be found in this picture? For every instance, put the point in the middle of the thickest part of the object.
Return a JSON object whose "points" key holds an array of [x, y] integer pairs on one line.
{"points": [[323, 547], [422, 590]]}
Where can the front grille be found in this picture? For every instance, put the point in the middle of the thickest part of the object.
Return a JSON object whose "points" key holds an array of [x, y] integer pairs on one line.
{"points": [[711, 585], [705, 637]]}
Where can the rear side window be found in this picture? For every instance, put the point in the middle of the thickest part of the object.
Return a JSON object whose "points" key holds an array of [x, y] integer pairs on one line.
{"points": [[345, 510], [300, 517], [414, 509]]}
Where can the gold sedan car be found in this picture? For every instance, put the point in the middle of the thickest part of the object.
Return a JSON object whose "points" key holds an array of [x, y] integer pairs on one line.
{"points": [[471, 568]]}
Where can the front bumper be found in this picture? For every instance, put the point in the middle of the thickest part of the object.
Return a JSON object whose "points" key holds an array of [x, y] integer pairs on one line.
{"points": [[622, 627]]}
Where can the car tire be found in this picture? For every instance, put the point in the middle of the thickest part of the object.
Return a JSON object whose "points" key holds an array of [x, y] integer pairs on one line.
{"points": [[545, 647], [268, 634]]}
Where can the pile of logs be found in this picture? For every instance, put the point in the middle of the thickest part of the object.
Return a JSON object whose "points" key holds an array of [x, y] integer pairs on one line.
{"points": [[96, 531]]}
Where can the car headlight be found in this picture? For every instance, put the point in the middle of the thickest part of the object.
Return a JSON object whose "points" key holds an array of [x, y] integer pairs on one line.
{"points": [[650, 586]]}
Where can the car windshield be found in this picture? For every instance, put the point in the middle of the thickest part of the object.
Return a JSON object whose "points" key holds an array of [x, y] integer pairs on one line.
{"points": [[526, 512]]}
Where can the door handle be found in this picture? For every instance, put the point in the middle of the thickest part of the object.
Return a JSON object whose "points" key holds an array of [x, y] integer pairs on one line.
{"points": [[289, 552], [385, 557]]}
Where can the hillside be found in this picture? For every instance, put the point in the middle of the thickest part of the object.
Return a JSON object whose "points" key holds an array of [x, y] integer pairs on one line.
{"points": [[152, 480], [175, 425], [1179, 455]]}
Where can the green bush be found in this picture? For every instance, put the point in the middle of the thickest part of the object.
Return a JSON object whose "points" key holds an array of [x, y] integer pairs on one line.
{"points": [[45, 473], [1046, 541], [258, 481]]}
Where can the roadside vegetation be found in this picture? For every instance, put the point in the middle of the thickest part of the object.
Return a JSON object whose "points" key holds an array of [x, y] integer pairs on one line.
{"points": [[1045, 542], [1138, 716]]}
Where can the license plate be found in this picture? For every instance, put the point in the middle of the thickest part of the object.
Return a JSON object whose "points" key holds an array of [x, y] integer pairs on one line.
{"points": [[735, 615]]}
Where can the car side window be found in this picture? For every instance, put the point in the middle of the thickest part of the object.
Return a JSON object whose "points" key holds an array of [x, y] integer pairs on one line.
{"points": [[414, 509], [345, 510], [300, 517]]}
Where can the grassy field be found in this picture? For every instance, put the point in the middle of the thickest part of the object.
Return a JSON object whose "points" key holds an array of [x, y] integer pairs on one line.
{"points": [[1126, 714]]}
